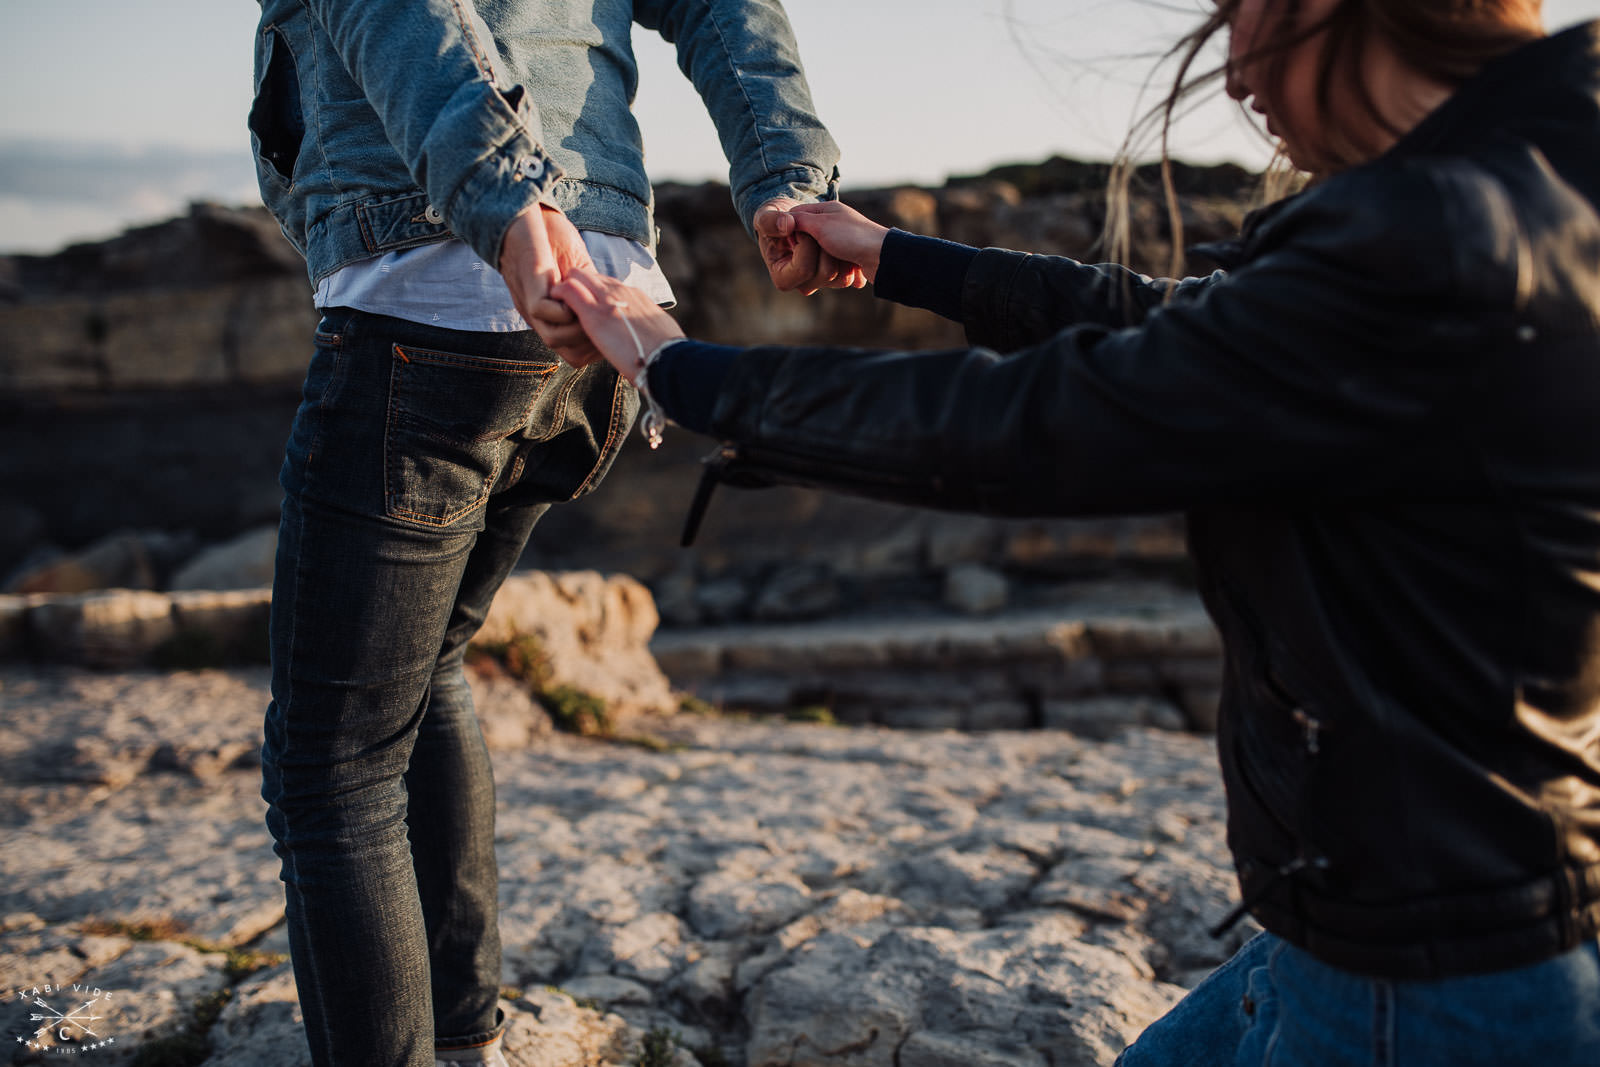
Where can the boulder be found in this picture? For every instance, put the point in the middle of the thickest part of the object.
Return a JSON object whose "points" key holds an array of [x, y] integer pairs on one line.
{"points": [[595, 631], [245, 562], [116, 628], [974, 589], [125, 560]]}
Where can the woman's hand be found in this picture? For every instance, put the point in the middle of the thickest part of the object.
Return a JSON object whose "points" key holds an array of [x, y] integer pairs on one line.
{"points": [[624, 324], [794, 260], [842, 232]]}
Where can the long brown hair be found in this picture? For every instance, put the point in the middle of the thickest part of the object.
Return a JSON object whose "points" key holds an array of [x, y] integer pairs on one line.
{"points": [[1447, 41]]}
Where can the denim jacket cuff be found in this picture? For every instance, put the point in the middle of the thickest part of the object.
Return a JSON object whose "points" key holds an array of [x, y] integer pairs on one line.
{"points": [[802, 183], [515, 176], [490, 188]]}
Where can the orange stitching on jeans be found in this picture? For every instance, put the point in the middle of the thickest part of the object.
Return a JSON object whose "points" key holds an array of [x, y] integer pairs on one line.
{"points": [[611, 436]]}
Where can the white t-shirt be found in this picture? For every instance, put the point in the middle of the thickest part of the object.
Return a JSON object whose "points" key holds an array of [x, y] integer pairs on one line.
{"points": [[447, 284]]}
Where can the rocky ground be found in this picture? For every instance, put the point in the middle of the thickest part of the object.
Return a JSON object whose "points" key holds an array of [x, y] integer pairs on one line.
{"points": [[716, 890], [730, 891]]}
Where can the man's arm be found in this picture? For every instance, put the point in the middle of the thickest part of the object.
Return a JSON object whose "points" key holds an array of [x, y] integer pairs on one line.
{"points": [[742, 58], [542, 247], [470, 137]]}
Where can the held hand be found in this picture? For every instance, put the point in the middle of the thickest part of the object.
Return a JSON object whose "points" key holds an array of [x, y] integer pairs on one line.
{"points": [[539, 249], [559, 328], [842, 232], [793, 259], [621, 322]]}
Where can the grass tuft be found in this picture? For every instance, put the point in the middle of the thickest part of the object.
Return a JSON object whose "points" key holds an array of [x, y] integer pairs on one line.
{"points": [[524, 658], [659, 1048], [693, 705], [243, 962], [571, 709], [587, 1003], [143, 930], [820, 714], [576, 712], [711, 1056], [190, 1046]]}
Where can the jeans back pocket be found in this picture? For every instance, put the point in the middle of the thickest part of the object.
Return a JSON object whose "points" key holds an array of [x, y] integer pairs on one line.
{"points": [[449, 422]]}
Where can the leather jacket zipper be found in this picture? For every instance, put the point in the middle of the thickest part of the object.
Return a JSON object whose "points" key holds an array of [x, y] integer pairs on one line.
{"points": [[739, 465], [1241, 909], [1311, 727]]}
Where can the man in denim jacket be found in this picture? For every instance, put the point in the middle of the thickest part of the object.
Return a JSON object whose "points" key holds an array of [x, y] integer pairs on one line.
{"points": [[440, 163]]}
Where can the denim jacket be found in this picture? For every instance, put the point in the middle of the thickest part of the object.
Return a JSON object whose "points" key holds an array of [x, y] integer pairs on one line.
{"points": [[385, 124]]}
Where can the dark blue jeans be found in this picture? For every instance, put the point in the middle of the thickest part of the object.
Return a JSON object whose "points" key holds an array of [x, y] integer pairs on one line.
{"points": [[418, 463], [1273, 1005]]}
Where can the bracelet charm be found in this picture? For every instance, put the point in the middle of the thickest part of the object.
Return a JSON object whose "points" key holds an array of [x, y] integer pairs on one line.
{"points": [[653, 422]]}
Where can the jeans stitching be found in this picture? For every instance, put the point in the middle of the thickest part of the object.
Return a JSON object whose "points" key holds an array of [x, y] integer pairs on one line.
{"points": [[1277, 1013], [1383, 1023], [611, 439], [338, 340], [290, 855], [482, 1039], [439, 357], [560, 407]]}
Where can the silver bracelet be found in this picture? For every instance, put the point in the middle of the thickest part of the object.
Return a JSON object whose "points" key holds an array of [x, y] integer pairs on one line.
{"points": [[653, 423], [654, 420]]}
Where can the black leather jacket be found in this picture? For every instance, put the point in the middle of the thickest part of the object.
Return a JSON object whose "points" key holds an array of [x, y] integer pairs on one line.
{"points": [[1383, 420]]}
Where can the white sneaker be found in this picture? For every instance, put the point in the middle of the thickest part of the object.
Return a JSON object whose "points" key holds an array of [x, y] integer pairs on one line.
{"points": [[489, 1055]]}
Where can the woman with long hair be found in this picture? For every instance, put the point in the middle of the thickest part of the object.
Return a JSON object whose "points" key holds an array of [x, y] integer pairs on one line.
{"points": [[1380, 418]]}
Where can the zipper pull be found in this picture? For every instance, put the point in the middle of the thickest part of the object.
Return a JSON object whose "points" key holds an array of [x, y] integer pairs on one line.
{"points": [[1240, 910], [715, 463], [1311, 727]]}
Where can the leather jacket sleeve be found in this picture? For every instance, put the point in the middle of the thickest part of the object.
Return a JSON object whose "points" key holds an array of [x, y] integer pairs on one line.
{"points": [[1012, 299], [432, 72], [1332, 361], [742, 58]]}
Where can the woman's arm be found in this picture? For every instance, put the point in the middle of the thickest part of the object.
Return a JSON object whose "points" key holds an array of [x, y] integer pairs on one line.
{"points": [[1332, 360], [1005, 299], [1010, 300]]}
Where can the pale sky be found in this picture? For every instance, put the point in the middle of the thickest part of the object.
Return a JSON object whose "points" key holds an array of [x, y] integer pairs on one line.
{"points": [[119, 113]]}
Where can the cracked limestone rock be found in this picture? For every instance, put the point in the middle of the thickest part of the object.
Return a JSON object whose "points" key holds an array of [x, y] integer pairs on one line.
{"points": [[770, 892]]}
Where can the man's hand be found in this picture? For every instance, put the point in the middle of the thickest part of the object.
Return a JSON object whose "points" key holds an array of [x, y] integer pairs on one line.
{"points": [[842, 232], [793, 258], [539, 249]]}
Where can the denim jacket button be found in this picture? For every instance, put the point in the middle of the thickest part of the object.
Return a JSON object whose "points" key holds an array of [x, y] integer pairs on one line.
{"points": [[530, 167], [433, 215]]}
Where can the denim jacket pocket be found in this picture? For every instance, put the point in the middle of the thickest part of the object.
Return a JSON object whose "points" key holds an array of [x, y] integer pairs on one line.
{"points": [[450, 422], [402, 222], [277, 119]]}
